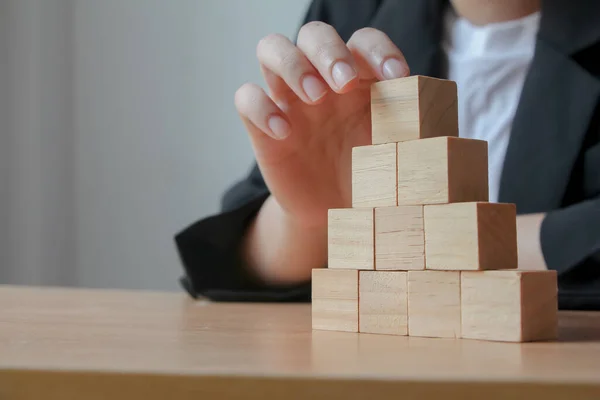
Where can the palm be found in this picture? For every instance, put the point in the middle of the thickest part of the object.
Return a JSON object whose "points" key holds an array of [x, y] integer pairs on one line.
{"points": [[310, 171]]}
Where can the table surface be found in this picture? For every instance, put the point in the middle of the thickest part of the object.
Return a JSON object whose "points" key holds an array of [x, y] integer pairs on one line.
{"points": [[127, 344]]}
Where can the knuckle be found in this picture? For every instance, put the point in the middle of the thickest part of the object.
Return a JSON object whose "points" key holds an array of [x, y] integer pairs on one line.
{"points": [[368, 32], [314, 26], [372, 41], [268, 42], [312, 30], [245, 96], [320, 41], [289, 60], [376, 49], [369, 38], [323, 50], [278, 53]]}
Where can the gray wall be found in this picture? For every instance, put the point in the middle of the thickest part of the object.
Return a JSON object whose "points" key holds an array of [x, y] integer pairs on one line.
{"points": [[3, 137], [119, 129], [158, 136], [38, 203]]}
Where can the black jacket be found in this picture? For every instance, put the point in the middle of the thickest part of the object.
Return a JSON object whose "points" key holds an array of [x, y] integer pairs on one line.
{"points": [[552, 163]]}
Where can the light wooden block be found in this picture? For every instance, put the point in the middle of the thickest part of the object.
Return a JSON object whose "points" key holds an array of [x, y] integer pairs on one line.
{"points": [[442, 170], [471, 236], [351, 238], [412, 108], [399, 238], [374, 181], [335, 300], [512, 306], [434, 304], [383, 302]]}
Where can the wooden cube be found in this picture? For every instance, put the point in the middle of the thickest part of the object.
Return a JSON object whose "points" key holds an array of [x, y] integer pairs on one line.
{"points": [[374, 181], [383, 302], [442, 170], [351, 238], [471, 236], [512, 306], [434, 304], [412, 108], [335, 300], [399, 238]]}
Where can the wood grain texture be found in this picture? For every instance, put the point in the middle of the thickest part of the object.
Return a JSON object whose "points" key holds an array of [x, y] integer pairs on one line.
{"points": [[335, 300], [67, 344], [383, 302], [470, 236], [442, 170], [399, 238], [374, 171], [434, 304], [512, 306], [415, 107], [351, 238]]}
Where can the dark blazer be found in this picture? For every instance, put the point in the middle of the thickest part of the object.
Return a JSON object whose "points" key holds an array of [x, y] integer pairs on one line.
{"points": [[552, 163]]}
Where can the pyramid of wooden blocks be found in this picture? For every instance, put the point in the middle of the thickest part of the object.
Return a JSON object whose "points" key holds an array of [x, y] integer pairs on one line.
{"points": [[421, 251]]}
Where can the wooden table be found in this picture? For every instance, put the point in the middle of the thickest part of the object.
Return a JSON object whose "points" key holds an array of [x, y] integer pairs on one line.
{"points": [[86, 344]]}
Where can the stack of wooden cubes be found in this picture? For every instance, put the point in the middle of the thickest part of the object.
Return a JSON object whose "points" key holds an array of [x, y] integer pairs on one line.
{"points": [[422, 251]]}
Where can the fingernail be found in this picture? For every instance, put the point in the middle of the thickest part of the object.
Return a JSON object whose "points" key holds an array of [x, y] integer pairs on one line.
{"points": [[313, 87], [393, 68], [279, 127], [342, 74]]}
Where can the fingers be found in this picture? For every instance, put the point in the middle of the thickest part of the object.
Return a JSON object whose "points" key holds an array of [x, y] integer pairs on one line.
{"points": [[280, 56], [260, 112], [328, 53], [321, 61], [374, 48]]}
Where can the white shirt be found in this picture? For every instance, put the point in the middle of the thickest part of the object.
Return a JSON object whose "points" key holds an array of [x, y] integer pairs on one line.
{"points": [[489, 64]]}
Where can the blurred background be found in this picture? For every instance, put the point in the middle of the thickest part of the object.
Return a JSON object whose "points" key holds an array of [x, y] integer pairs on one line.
{"points": [[118, 129]]}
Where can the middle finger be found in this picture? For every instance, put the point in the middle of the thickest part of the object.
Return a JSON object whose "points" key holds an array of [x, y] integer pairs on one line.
{"points": [[328, 53]]}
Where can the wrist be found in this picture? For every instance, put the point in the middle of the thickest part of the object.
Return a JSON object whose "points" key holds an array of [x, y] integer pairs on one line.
{"points": [[279, 249]]}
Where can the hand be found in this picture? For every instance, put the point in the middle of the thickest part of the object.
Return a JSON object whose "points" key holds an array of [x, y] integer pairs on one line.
{"points": [[318, 108]]}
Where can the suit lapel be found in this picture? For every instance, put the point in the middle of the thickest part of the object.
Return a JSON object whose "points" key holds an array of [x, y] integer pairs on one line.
{"points": [[557, 102]]}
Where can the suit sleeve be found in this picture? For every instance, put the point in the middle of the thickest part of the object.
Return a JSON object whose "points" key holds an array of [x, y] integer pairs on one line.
{"points": [[570, 240]]}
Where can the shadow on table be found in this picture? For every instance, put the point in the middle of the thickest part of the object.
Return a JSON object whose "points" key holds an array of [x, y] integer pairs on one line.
{"points": [[388, 355]]}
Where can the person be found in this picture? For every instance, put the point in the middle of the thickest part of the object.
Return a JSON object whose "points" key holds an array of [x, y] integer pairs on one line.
{"points": [[528, 77]]}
